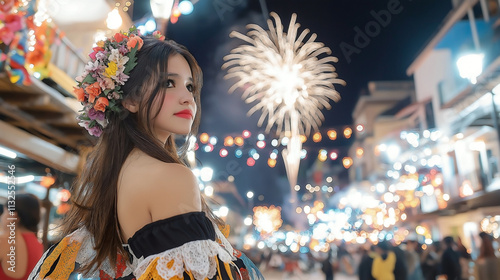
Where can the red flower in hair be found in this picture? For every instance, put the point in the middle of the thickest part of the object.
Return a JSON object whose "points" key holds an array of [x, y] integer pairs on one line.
{"points": [[101, 104], [96, 50], [119, 37], [133, 41], [93, 90], [157, 34], [80, 94]]}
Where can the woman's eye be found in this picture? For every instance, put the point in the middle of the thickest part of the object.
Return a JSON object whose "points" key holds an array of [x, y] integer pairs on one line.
{"points": [[169, 83], [190, 88]]}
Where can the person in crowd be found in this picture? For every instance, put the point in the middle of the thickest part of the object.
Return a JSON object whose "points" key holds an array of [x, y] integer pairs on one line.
{"points": [[366, 263], [401, 269], [345, 260], [20, 248], [327, 266], [137, 209], [413, 260], [291, 268], [487, 263], [384, 263], [464, 258], [450, 264], [430, 261]]}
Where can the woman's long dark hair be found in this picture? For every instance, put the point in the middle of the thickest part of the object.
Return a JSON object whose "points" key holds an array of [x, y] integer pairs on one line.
{"points": [[95, 190]]}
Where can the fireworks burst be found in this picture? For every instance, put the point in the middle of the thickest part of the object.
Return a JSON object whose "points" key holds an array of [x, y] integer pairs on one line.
{"points": [[284, 75]]}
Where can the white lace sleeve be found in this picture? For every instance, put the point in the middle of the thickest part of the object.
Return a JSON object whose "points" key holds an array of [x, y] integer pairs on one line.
{"points": [[198, 257], [87, 253]]}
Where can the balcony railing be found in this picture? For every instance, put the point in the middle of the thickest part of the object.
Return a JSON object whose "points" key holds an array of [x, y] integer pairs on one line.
{"points": [[66, 58]]}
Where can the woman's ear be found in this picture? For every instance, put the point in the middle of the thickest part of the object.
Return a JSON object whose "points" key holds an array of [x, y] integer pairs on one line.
{"points": [[130, 105]]}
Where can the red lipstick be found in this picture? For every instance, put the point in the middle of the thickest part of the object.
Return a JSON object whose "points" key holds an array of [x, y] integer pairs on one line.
{"points": [[185, 114]]}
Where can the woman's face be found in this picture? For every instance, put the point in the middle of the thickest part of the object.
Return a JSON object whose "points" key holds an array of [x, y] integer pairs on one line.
{"points": [[178, 106]]}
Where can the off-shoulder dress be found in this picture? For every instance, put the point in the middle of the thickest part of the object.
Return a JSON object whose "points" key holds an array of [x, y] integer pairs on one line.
{"points": [[186, 246]]}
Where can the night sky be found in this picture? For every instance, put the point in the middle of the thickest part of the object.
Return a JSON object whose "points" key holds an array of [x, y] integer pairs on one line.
{"points": [[386, 54]]}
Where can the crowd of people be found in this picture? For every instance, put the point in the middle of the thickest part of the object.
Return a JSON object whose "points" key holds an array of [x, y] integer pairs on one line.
{"points": [[445, 259]]}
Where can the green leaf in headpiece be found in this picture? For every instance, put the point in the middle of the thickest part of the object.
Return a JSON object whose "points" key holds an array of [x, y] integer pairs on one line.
{"points": [[89, 79], [131, 63]]}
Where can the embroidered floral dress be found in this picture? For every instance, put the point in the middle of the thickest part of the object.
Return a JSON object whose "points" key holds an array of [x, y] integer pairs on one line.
{"points": [[187, 246]]}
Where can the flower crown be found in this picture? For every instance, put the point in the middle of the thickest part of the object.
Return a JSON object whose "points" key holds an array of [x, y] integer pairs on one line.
{"points": [[99, 87]]}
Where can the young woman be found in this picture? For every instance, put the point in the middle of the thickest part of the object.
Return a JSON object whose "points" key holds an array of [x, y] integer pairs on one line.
{"points": [[18, 232], [137, 208]]}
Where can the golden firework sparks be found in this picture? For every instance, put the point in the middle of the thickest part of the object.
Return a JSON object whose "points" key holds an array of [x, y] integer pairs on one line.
{"points": [[284, 75]]}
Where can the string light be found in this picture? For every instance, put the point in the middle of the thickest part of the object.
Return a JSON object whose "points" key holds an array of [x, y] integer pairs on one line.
{"points": [[239, 141], [261, 144], [228, 141], [332, 134], [359, 152], [317, 137], [238, 153], [271, 162], [223, 152], [208, 148], [250, 161], [347, 132], [333, 156], [211, 143], [322, 155], [204, 138], [347, 162]]}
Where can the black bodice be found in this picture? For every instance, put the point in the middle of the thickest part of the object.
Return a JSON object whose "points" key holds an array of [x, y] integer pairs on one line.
{"points": [[170, 233]]}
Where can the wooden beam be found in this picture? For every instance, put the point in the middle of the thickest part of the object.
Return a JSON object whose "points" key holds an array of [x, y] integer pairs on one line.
{"points": [[38, 149], [18, 115]]}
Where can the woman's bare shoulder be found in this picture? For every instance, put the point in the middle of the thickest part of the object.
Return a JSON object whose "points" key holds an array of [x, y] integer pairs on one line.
{"points": [[167, 189], [173, 190]]}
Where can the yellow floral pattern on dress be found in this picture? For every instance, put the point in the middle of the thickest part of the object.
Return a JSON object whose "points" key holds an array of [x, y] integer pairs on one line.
{"points": [[225, 230], [152, 273], [66, 252], [170, 264]]}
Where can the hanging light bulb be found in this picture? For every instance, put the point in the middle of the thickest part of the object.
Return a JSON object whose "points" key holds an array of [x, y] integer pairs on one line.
{"points": [[162, 8], [114, 20]]}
